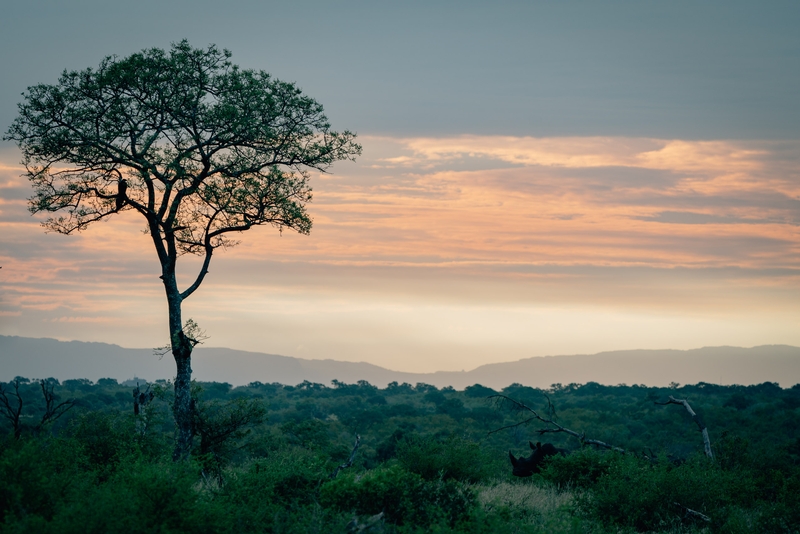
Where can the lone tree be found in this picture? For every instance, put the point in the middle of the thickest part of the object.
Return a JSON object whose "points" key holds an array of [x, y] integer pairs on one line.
{"points": [[199, 147]]}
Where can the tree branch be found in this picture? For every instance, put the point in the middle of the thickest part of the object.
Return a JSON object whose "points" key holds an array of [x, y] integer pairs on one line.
{"points": [[696, 418], [688, 512], [200, 276], [52, 411], [12, 413], [520, 406], [349, 461]]}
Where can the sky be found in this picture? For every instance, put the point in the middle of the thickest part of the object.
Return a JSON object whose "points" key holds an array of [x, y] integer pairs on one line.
{"points": [[537, 178]]}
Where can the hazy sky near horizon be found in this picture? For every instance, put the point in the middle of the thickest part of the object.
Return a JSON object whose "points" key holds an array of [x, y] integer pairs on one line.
{"points": [[537, 178]]}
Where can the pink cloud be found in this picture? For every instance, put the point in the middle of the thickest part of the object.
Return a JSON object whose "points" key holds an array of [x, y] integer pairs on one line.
{"points": [[644, 225]]}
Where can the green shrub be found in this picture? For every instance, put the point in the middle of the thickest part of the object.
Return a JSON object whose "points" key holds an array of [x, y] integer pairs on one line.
{"points": [[275, 493], [741, 491], [405, 498], [283, 477], [653, 496], [309, 433], [581, 469], [455, 458], [387, 449], [783, 515], [106, 438], [144, 496], [49, 487], [37, 475]]}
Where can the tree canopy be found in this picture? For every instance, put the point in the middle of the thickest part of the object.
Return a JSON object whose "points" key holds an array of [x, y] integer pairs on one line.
{"points": [[206, 148]]}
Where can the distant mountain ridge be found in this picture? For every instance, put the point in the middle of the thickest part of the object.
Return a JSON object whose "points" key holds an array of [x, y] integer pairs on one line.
{"points": [[44, 357]]}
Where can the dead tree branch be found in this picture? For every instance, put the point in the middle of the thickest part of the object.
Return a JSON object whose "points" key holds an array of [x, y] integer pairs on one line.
{"points": [[52, 411], [689, 513], [350, 460], [141, 399], [556, 428], [696, 419], [371, 524], [12, 409]]}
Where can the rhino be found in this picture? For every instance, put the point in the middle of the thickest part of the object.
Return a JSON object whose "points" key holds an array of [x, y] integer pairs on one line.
{"points": [[525, 467]]}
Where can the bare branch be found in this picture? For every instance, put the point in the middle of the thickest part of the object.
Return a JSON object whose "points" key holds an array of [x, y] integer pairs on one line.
{"points": [[52, 410], [688, 512], [349, 461], [9, 411], [696, 418], [520, 406], [201, 275]]}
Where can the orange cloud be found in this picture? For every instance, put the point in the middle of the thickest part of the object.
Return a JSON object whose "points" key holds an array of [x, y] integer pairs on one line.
{"points": [[677, 226], [568, 201], [559, 151], [560, 213], [581, 152]]}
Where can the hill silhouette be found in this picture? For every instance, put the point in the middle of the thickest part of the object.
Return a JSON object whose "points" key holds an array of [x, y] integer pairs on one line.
{"points": [[44, 357]]}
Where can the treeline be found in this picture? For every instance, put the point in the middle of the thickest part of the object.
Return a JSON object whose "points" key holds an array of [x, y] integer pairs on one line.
{"points": [[426, 459]]}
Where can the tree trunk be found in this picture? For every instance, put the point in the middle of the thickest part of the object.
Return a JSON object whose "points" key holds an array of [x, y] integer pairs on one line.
{"points": [[183, 406]]}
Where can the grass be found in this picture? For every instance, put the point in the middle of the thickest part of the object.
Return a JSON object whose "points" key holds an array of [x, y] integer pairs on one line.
{"points": [[542, 500], [534, 508]]}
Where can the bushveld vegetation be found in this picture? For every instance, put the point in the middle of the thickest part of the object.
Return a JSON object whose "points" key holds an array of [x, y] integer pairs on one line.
{"points": [[263, 457]]}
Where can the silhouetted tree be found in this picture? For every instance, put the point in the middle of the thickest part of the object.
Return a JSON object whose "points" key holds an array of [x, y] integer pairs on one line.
{"points": [[11, 404], [52, 408], [198, 147]]}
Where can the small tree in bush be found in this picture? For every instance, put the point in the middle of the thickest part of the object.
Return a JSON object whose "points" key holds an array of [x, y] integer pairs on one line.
{"points": [[455, 458]]}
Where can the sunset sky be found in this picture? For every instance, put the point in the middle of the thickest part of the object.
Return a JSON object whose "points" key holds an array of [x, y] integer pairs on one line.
{"points": [[537, 178]]}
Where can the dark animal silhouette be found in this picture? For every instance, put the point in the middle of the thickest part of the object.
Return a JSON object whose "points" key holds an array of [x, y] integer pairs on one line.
{"points": [[525, 467], [122, 187]]}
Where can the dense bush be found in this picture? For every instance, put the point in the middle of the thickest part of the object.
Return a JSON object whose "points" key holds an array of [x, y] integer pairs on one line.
{"points": [[405, 498], [646, 495], [452, 458], [142, 496], [264, 454], [38, 476], [108, 437], [652, 496], [56, 486], [285, 477], [275, 493], [582, 468]]}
